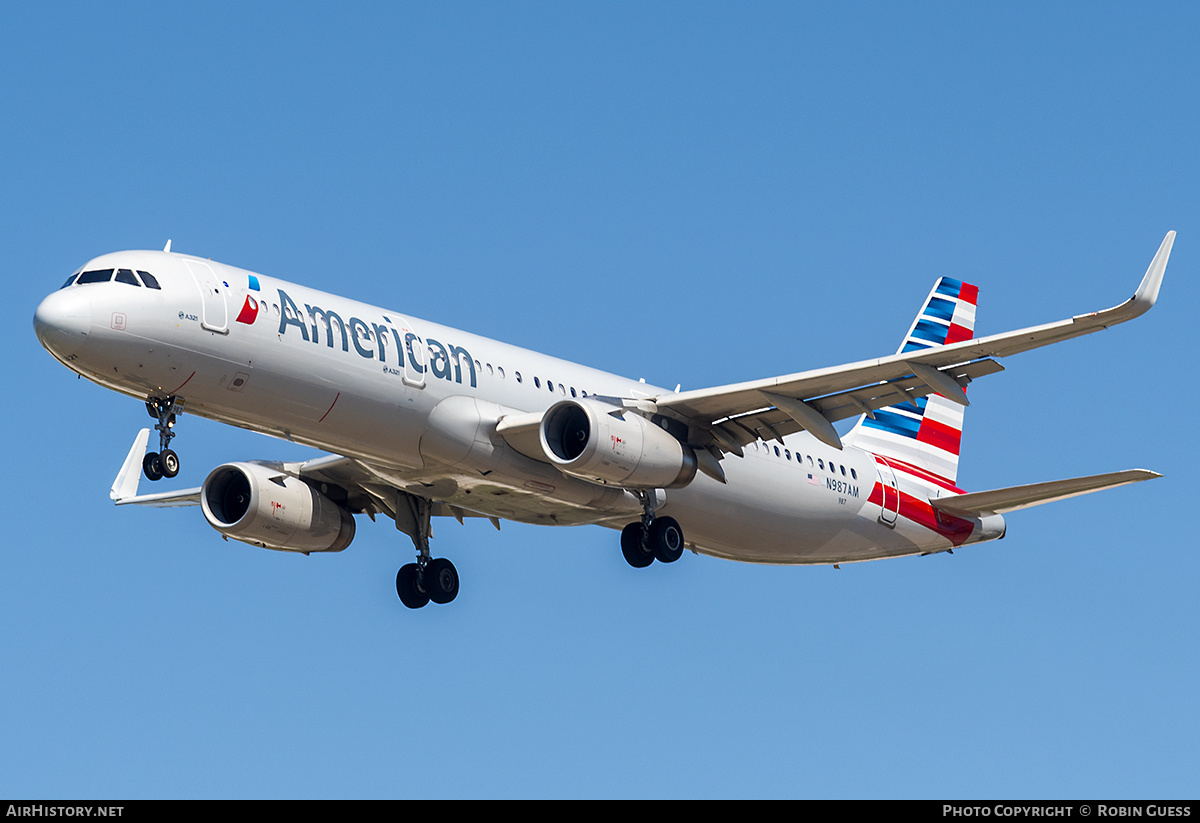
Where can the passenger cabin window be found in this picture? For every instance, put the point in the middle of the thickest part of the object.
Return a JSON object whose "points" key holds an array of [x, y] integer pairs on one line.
{"points": [[98, 276]]}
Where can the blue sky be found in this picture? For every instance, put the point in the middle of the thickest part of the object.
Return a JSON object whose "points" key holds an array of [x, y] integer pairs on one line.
{"points": [[693, 193]]}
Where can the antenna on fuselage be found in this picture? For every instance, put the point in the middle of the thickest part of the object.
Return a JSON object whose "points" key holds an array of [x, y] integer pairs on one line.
{"points": [[168, 246]]}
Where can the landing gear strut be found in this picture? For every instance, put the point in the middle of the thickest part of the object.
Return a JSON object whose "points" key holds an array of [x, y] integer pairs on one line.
{"points": [[430, 578], [652, 538], [164, 462]]}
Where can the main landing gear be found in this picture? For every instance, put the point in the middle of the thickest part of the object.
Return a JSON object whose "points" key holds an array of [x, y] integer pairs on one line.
{"points": [[164, 462], [430, 579], [652, 538]]}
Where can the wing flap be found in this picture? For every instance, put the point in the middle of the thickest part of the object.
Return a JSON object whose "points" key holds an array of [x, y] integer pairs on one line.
{"points": [[767, 422], [1001, 501]]}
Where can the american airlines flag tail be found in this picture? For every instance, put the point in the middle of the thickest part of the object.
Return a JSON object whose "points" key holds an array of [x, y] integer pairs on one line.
{"points": [[925, 434]]}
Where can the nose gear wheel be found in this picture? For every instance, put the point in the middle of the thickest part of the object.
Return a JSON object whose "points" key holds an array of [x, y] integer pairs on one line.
{"points": [[164, 462]]}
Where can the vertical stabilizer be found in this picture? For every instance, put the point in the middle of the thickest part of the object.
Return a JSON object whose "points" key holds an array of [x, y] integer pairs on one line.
{"points": [[925, 434]]}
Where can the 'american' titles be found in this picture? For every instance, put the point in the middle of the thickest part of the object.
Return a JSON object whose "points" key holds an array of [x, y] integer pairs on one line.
{"points": [[378, 341]]}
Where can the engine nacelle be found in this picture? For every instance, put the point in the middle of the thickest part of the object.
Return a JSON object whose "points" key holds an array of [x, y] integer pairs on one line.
{"points": [[267, 507], [614, 446]]}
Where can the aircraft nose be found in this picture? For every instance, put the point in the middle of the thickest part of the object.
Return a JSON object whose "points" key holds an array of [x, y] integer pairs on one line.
{"points": [[63, 321]]}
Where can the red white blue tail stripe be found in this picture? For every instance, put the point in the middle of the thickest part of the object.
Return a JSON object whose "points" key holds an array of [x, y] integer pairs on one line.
{"points": [[925, 434]]}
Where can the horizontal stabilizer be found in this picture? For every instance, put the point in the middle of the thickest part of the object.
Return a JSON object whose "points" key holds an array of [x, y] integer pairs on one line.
{"points": [[1001, 501]]}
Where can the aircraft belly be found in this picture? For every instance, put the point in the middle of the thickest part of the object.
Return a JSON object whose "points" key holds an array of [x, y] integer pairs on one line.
{"points": [[525, 501], [781, 513]]}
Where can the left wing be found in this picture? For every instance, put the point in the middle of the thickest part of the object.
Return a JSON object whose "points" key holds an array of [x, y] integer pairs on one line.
{"points": [[736, 415], [125, 487], [368, 490], [374, 490]]}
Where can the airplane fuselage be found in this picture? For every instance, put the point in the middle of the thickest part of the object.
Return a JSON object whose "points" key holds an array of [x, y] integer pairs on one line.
{"points": [[419, 403]]}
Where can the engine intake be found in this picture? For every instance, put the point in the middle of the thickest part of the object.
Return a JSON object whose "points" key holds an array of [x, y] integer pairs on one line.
{"points": [[267, 507], [614, 446]]}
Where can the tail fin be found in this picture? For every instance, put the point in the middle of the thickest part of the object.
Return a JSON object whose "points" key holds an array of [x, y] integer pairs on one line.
{"points": [[926, 433]]}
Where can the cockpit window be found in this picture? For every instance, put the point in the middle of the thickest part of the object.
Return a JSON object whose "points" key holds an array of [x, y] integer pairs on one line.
{"points": [[149, 280], [126, 276], [99, 276], [70, 280]]}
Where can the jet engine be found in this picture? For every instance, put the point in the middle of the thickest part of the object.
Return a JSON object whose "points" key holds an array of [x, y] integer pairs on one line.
{"points": [[265, 506], [611, 445]]}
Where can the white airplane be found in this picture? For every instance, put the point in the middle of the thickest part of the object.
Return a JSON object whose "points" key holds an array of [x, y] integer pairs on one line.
{"points": [[424, 421]]}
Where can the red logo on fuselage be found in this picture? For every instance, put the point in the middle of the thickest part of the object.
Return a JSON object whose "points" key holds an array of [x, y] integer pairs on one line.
{"points": [[249, 312]]}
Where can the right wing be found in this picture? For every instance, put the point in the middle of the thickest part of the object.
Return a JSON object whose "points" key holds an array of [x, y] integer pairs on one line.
{"points": [[738, 414]]}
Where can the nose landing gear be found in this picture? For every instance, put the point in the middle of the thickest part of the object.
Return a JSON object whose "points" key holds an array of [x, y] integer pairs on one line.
{"points": [[164, 462]]}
